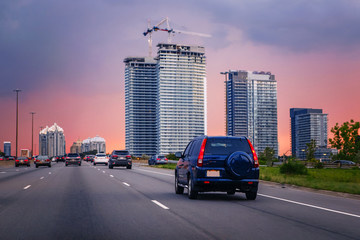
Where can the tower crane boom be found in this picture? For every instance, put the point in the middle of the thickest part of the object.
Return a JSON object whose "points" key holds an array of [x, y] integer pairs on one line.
{"points": [[167, 29]]}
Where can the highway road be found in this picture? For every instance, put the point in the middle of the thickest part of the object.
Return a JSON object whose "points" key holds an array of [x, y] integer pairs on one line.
{"points": [[90, 202]]}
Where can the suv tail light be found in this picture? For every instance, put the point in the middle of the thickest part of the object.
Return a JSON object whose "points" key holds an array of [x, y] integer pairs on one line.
{"points": [[256, 160], [201, 154]]}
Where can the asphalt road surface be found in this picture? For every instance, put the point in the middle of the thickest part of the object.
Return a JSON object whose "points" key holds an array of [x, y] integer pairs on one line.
{"points": [[90, 202]]}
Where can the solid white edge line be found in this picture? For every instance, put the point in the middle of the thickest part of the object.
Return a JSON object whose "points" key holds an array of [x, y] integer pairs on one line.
{"points": [[160, 204], [155, 172], [126, 184], [27, 186], [309, 205]]}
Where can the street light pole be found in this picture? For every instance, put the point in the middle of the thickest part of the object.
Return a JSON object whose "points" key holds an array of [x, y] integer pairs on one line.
{"points": [[32, 133], [17, 119], [226, 103]]}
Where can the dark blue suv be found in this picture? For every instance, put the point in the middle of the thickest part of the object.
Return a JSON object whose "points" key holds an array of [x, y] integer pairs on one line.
{"points": [[224, 164]]}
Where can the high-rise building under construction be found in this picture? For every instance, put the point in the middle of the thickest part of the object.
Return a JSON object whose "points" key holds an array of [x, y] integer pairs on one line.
{"points": [[165, 99]]}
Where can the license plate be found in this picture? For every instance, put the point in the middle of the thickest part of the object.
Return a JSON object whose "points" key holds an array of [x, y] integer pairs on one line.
{"points": [[213, 173]]}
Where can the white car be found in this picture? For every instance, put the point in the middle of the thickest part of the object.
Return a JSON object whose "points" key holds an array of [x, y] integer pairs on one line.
{"points": [[101, 158]]}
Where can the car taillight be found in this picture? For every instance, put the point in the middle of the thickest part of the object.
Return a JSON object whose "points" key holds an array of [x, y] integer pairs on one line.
{"points": [[201, 154], [77, 157], [158, 159], [166, 159], [114, 156], [16, 160], [128, 156], [48, 160], [26, 160], [67, 158], [256, 160]]}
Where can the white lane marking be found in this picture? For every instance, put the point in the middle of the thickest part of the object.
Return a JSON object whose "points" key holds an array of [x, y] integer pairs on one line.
{"points": [[99, 169], [312, 206], [111, 175], [126, 184], [42, 178], [160, 204], [27, 186], [2, 172], [166, 174], [103, 171], [49, 172], [17, 170]]}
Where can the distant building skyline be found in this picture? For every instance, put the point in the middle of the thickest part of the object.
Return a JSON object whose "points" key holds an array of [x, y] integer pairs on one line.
{"points": [[76, 147], [52, 141], [307, 124], [251, 107], [96, 143]]}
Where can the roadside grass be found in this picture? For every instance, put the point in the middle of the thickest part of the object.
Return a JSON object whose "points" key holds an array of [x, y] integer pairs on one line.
{"points": [[166, 166], [332, 179]]}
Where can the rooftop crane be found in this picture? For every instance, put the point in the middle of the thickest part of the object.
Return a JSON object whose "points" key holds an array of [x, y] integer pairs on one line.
{"points": [[167, 29]]}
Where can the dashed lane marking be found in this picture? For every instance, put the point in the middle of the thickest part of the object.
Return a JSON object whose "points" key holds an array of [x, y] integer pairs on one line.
{"points": [[111, 175], [27, 186], [103, 171], [309, 205], [126, 184], [42, 178], [160, 204], [166, 174]]}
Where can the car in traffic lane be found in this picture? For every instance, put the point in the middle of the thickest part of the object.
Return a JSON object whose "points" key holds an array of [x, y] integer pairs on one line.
{"points": [[100, 158], [72, 158], [22, 161], [223, 164], [120, 158], [157, 159], [42, 160]]}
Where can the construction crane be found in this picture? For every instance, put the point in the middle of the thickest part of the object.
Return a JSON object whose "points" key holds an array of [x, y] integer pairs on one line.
{"points": [[167, 29]]}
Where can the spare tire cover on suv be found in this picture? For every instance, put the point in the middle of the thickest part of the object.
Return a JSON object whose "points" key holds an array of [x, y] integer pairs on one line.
{"points": [[239, 164]]}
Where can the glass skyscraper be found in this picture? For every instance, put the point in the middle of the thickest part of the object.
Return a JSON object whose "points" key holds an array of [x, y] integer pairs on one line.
{"points": [[307, 124], [181, 96], [140, 105], [251, 108]]}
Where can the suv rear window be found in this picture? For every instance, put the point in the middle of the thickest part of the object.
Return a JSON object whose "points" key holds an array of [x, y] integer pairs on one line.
{"points": [[226, 146], [121, 152], [73, 155]]}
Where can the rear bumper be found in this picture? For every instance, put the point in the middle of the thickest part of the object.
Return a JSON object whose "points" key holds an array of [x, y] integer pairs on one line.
{"points": [[42, 163], [120, 163], [73, 162], [224, 185]]}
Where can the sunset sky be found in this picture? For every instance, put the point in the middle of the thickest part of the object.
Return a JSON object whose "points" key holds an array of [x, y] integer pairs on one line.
{"points": [[67, 58]]}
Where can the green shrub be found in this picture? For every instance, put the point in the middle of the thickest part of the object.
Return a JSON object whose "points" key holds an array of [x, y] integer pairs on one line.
{"points": [[319, 165], [293, 167]]}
